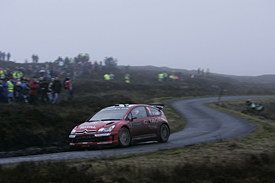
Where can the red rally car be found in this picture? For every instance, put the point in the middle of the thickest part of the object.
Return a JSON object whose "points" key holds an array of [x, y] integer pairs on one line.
{"points": [[122, 125]]}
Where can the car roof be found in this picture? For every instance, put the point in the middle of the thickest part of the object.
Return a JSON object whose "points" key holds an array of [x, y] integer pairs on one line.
{"points": [[123, 106], [159, 106]]}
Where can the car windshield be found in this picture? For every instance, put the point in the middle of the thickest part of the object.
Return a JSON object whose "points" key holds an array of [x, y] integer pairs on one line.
{"points": [[109, 114]]}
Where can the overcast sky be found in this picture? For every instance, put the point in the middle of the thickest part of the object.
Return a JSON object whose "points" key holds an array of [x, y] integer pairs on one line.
{"points": [[234, 37]]}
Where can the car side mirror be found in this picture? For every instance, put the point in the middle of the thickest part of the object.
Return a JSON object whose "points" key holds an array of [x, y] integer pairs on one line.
{"points": [[134, 117], [130, 119]]}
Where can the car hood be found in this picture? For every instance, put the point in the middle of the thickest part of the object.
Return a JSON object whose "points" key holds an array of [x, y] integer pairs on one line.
{"points": [[91, 126]]}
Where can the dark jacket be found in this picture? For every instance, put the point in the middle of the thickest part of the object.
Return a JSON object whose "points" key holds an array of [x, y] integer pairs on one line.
{"points": [[56, 87], [44, 87]]}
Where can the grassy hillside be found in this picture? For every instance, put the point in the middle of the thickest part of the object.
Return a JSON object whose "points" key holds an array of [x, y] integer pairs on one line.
{"points": [[45, 129], [47, 126]]}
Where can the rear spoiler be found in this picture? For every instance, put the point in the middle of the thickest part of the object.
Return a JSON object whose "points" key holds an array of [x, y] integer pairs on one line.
{"points": [[159, 106]]}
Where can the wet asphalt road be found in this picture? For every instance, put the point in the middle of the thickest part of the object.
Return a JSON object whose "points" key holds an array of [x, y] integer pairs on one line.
{"points": [[203, 125]]}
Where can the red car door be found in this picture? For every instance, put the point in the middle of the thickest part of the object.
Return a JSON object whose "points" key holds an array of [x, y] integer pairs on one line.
{"points": [[138, 125], [153, 120]]}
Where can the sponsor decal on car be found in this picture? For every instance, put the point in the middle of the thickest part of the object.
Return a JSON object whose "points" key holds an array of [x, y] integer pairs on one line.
{"points": [[153, 127], [135, 124], [94, 122], [154, 120], [104, 142], [84, 127]]}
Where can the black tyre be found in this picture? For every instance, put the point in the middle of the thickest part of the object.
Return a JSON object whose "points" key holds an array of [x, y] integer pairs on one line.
{"points": [[124, 137], [164, 133]]}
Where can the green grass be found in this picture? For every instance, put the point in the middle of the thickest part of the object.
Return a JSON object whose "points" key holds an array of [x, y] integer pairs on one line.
{"points": [[248, 159]]}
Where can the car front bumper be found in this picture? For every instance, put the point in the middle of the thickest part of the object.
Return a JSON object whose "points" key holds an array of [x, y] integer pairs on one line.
{"points": [[94, 139]]}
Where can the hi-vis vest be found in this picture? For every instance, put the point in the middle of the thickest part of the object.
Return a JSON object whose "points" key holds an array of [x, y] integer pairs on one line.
{"points": [[127, 78], [160, 76], [17, 74], [10, 86], [172, 77], [2, 74], [107, 77]]}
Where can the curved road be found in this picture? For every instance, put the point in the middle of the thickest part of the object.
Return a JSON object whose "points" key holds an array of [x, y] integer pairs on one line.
{"points": [[203, 125]]}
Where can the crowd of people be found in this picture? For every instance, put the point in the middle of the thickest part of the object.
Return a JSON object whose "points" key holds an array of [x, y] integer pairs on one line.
{"points": [[251, 106], [34, 91], [201, 71], [40, 82], [33, 82], [35, 58], [5, 56], [164, 76], [60, 67]]}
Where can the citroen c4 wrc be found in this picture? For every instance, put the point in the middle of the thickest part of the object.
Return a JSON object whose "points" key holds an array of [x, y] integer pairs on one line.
{"points": [[122, 124]]}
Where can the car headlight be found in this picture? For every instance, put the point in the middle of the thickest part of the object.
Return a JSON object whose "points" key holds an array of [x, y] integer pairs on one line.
{"points": [[106, 129], [73, 132]]}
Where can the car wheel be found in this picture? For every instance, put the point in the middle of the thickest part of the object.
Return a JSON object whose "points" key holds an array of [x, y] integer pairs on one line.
{"points": [[124, 137], [164, 133]]}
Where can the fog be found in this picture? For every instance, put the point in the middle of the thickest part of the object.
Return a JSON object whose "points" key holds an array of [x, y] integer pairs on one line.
{"points": [[229, 37]]}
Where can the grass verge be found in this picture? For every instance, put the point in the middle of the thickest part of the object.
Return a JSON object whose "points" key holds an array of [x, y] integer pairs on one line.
{"points": [[248, 159]]}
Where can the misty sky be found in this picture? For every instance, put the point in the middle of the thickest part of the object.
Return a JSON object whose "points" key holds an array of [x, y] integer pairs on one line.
{"points": [[234, 37]]}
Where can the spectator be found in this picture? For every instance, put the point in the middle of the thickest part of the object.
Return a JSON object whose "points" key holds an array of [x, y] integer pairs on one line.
{"points": [[18, 89], [8, 73], [112, 76], [107, 77], [8, 56], [43, 90], [33, 58], [260, 106], [56, 87], [34, 86], [202, 72], [3, 56], [50, 91], [36, 58], [100, 66], [42, 72], [25, 92], [250, 104], [160, 77], [10, 90], [68, 86], [127, 78], [3, 91], [208, 72]]}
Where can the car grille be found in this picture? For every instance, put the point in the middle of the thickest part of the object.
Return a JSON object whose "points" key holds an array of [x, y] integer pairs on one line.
{"points": [[89, 138], [85, 131]]}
